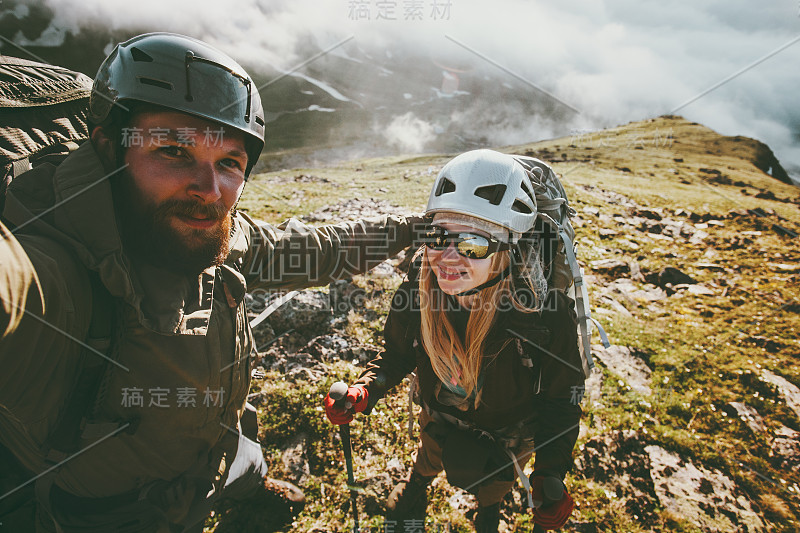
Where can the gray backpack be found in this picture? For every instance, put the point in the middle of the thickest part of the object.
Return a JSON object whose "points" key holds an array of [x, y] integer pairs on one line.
{"points": [[557, 248]]}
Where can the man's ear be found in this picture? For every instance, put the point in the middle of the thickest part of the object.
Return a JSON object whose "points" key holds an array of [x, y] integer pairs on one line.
{"points": [[104, 146]]}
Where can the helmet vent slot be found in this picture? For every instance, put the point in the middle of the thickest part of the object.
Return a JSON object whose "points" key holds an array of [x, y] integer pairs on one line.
{"points": [[445, 186], [259, 121], [155, 83], [493, 193], [521, 207], [138, 55], [528, 191]]}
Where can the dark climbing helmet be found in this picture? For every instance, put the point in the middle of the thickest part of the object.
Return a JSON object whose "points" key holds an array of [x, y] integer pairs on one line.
{"points": [[184, 74]]}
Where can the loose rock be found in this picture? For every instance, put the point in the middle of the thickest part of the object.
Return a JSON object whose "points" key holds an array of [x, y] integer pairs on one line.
{"points": [[634, 371], [309, 361], [670, 276], [617, 462], [609, 267], [748, 415], [354, 209], [294, 459], [789, 391], [785, 449], [376, 490], [629, 295], [308, 313], [705, 497]]}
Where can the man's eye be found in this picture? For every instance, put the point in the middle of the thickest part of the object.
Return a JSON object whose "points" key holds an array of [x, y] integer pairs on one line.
{"points": [[172, 151], [232, 163]]}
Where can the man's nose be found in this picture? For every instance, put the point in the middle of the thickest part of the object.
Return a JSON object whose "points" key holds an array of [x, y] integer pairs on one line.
{"points": [[205, 184]]}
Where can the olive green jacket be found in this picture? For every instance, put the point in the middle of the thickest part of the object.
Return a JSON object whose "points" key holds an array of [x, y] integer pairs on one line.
{"points": [[18, 283], [181, 346]]}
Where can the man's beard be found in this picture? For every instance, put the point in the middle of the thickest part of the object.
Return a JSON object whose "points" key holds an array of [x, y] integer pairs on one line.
{"points": [[148, 232]]}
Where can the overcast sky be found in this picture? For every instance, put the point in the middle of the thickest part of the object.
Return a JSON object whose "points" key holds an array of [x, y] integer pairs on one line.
{"points": [[613, 60]]}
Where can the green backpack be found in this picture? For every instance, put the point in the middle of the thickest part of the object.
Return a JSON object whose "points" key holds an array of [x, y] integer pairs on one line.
{"points": [[44, 111]]}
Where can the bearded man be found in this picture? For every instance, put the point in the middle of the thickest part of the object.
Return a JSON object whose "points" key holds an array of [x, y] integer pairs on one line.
{"points": [[125, 375]]}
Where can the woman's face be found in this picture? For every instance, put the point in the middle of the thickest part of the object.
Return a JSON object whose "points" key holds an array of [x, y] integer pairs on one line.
{"points": [[456, 273]]}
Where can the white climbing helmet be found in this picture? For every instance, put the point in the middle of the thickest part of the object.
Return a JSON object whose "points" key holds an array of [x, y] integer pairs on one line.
{"points": [[489, 186]]}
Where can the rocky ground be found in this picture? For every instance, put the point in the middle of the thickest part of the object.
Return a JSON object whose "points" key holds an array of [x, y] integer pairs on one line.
{"points": [[692, 417]]}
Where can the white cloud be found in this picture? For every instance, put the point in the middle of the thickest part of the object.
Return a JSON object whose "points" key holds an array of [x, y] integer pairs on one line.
{"points": [[616, 60], [408, 133]]}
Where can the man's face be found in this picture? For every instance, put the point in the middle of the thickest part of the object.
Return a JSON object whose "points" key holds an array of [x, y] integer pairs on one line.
{"points": [[175, 198]]}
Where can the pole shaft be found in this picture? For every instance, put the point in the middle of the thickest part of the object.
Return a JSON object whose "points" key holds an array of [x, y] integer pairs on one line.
{"points": [[344, 433]]}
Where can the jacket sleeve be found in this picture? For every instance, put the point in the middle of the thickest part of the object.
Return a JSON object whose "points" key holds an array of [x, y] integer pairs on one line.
{"points": [[562, 383], [295, 255], [41, 357], [398, 358], [19, 285]]}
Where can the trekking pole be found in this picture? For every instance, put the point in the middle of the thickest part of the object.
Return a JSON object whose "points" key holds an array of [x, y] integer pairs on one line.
{"points": [[337, 393]]}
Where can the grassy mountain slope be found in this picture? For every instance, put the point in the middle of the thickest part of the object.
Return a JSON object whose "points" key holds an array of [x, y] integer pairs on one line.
{"points": [[710, 392]]}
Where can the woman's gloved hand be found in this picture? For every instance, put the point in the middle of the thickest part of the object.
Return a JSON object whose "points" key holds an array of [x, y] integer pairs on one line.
{"points": [[341, 411], [552, 504]]}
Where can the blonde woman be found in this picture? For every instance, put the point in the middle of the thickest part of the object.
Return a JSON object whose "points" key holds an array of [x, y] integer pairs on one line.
{"points": [[495, 353]]}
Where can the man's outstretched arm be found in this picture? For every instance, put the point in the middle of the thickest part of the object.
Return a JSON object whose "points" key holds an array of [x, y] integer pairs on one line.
{"points": [[19, 286], [295, 255]]}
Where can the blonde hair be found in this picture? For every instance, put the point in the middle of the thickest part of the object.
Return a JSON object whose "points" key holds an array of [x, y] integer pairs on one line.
{"points": [[452, 358]]}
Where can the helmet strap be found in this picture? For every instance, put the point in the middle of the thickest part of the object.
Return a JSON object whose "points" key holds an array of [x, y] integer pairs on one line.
{"points": [[494, 281]]}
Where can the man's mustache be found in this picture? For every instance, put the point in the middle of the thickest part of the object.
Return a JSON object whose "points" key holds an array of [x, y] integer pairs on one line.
{"points": [[187, 208]]}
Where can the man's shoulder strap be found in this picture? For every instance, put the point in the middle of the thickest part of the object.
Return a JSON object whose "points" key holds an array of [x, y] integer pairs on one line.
{"points": [[97, 354]]}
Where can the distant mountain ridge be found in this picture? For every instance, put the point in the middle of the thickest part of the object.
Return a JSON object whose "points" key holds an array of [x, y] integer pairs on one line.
{"points": [[348, 103], [353, 102]]}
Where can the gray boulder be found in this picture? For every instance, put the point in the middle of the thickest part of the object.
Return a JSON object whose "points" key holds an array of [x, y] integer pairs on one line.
{"points": [[785, 449], [705, 497]]}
